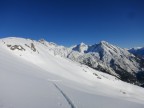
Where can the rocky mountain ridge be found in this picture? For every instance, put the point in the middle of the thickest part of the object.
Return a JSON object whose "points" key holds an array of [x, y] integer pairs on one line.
{"points": [[112, 60]]}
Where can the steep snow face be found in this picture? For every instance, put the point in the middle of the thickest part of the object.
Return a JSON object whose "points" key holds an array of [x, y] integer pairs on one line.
{"points": [[110, 59], [33, 76], [137, 51]]}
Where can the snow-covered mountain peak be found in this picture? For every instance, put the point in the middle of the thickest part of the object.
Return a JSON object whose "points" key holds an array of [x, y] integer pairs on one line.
{"points": [[42, 41], [82, 47], [103, 46], [82, 44], [46, 43], [106, 44], [111, 49], [103, 42]]}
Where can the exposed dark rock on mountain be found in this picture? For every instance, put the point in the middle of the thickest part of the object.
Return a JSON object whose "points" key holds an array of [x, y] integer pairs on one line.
{"points": [[112, 60]]}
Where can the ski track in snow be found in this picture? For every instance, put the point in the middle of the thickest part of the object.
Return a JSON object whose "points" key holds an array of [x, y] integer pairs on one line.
{"points": [[65, 96], [51, 80]]}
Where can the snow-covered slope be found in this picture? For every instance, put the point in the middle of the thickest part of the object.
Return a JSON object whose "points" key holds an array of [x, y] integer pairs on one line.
{"points": [[32, 75]]}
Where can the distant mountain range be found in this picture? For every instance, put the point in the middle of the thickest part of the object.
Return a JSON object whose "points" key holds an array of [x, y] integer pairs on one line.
{"points": [[127, 65], [139, 51]]}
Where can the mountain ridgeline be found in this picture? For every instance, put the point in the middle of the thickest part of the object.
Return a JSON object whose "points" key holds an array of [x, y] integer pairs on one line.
{"points": [[105, 57], [111, 59]]}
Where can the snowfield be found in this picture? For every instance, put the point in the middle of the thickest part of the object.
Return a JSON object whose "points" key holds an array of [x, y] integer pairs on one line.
{"points": [[33, 76]]}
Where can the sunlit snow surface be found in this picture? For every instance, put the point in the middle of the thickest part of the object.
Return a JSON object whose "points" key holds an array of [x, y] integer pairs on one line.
{"points": [[41, 79]]}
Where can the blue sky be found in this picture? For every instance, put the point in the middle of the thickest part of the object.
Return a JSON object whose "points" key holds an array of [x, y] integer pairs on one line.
{"points": [[69, 22]]}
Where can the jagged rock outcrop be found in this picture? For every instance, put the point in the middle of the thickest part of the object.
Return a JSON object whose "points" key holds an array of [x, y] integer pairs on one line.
{"points": [[14, 47]]}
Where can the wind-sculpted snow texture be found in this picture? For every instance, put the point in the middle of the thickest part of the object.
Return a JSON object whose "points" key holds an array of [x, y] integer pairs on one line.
{"points": [[41, 76]]}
